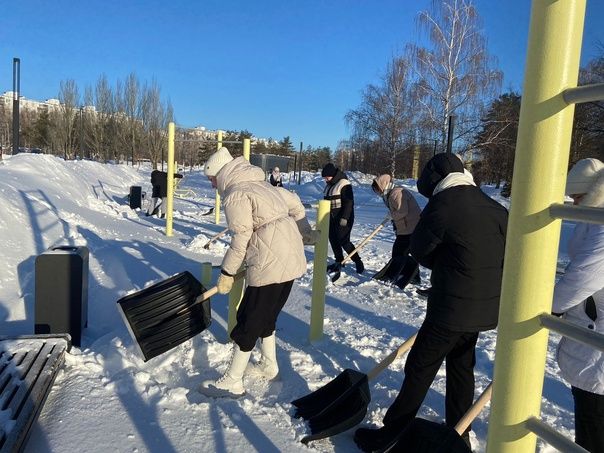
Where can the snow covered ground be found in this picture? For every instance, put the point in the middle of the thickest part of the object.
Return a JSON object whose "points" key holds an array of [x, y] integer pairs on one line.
{"points": [[107, 399]]}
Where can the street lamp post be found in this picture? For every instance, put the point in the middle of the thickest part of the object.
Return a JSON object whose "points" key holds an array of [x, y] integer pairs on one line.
{"points": [[16, 90]]}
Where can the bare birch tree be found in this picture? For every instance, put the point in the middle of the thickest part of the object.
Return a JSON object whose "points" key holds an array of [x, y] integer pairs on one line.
{"points": [[132, 108], [456, 74], [385, 116], [64, 118], [155, 117], [96, 134]]}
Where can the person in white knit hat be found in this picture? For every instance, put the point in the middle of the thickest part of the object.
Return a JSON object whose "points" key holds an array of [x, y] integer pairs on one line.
{"points": [[275, 178], [579, 297], [270, 230]]}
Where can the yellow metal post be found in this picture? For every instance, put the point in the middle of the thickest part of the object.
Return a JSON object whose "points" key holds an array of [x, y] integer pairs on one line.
{"points": [[217, 198], [319, 276], [170, 194], [235, 297], [544, 134], [206, 274], [246, 149]]}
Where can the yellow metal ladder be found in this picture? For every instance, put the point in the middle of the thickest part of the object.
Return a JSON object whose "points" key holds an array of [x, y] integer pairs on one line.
{"points": [[542, 153]]}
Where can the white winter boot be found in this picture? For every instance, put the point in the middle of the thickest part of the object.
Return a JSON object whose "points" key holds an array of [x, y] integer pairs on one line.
{"points": [[231, 383], [267, 367]]}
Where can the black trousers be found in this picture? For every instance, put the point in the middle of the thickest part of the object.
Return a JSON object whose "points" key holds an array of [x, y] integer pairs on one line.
{"points": [[589, 420], [257, 313], [402, 263], [434, 344], [339, 238]]}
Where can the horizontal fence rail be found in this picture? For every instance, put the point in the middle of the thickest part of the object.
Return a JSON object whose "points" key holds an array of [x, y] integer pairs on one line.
{"points": [[572, 331], [579, 213], [585, 93], [553, 437]]}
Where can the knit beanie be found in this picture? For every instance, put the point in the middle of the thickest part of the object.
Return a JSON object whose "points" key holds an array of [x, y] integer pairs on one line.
{"points": [[329, 170], [216, 161], [582, 176]]}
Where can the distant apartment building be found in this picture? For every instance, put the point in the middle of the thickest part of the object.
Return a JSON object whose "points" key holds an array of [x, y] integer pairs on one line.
{"points": [[53, 105], [6, 104]]}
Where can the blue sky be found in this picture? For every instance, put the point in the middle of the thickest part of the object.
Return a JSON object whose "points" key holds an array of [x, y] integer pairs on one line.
{"points": [[274, 67]]}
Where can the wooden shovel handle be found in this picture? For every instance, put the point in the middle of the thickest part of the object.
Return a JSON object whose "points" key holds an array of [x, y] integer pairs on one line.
{"points": [[214, 290], [392, 357], [216, 236], [473, 412], [367, 239]]}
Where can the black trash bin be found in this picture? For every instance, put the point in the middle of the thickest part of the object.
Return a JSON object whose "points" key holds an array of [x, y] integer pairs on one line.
{"points": [[61, 275], [136, 197]]}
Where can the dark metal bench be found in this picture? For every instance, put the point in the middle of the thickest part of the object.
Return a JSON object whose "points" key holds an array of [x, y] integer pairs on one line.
{"points": [[28, 367]]}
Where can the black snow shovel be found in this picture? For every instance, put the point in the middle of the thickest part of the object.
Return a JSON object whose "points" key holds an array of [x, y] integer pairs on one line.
{"points": [[425, 436], [336, 272], [342, 403], [167, 313]]}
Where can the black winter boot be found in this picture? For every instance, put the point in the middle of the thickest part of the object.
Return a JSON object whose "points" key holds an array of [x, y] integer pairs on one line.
{"points": [[360, 267], [334, 267], [376, 439]]}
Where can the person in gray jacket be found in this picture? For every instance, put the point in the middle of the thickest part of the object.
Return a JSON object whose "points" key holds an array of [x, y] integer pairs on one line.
{"points": [[270, 229], [579, 297], [404, 210]]}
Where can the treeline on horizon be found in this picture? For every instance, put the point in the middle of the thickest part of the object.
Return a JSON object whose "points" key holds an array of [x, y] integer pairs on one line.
{"points": [[127, 122]]}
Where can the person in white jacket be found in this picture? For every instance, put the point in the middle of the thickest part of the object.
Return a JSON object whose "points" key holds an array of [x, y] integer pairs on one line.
{"points": [[579, 297], [270, 229]]}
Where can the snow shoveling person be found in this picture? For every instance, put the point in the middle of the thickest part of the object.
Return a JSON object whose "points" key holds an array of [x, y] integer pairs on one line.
{"points": [[405, 213], [159, 183], [270, 230], [338, 191], [579, 297], [461, 238], [276, 179]]}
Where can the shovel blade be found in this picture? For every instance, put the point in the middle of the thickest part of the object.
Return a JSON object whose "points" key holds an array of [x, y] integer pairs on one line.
{"points": [[331, 393], [165, 314], [425, 436], [342, 415]]}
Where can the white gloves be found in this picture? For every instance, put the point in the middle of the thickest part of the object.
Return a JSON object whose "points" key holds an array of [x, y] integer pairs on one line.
{"points": [[225, 283], [343, 222]]}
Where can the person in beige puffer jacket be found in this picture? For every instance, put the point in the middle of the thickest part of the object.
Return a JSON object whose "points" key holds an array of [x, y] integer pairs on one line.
{"points": [[405, 213], [269, 229]]}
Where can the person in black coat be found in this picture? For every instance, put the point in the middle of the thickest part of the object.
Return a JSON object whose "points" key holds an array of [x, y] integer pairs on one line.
{"points": [[461, 238], [159, 182], [338, 191]]}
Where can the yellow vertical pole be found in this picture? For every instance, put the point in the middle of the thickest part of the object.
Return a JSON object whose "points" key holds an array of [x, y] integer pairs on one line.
{"points": [[206, 274], [415, 174], [246, 149], [236, 294], [544, 133], [235, 297], [217, 198], [170, 194], [319, 275]]}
